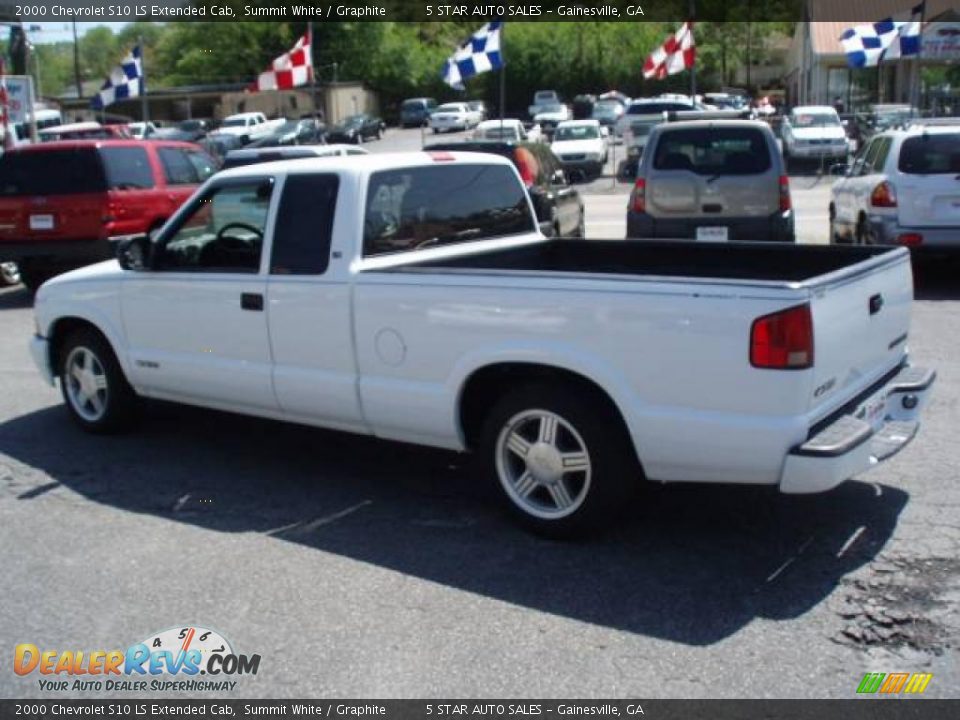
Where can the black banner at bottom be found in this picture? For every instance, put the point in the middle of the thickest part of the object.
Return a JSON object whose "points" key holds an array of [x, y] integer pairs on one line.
{"points": [[854, 709]]}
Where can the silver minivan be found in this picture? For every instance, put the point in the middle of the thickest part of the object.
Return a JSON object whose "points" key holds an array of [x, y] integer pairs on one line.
{"points": [[713, 181]]}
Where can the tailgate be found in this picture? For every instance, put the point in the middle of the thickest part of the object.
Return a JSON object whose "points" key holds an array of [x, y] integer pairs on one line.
{"points": [[929, 201], [860, 322], [54, 217]]}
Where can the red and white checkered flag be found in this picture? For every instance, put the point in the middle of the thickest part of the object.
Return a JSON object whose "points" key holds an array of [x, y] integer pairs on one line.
{"points": [[290, 70], [675, 55]]}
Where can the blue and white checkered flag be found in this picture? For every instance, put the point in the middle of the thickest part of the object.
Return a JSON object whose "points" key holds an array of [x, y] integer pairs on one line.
{"points": [[867, 45], [126, 81], [479, 54]]}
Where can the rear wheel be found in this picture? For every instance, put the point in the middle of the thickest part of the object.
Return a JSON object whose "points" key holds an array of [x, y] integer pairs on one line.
{"points": [[835, 238], [561, 456], [864, 234], [97, 395], [9, 273]]}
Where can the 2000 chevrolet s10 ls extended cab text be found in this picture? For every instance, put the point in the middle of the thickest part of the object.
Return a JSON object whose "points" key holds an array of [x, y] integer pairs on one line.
{"points": [[412, 297]]}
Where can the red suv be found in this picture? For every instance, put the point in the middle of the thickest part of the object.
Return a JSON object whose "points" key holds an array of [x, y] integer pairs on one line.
{"points": [[66, 204]]}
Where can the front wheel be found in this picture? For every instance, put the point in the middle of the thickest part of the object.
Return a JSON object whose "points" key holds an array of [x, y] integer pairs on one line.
{"points": [[97, 394], [562, 457]]}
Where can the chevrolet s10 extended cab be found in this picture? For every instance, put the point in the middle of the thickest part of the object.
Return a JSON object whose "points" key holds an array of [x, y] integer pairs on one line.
{"points": [[412, 297]]}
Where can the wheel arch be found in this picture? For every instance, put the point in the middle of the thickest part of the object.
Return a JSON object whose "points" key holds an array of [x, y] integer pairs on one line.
{"points": [[61, 328], [485, 385]]}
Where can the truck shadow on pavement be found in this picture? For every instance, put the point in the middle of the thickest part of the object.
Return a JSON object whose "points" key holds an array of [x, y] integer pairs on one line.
{"points": [[689, 564]]}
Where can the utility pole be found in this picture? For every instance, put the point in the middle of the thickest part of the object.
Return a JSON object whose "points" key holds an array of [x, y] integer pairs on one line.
{"points": [[693, 68], [313, 72], [76, 62]]}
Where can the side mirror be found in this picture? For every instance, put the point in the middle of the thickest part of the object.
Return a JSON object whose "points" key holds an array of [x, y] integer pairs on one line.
{"points": [[839, 169], [135, 253]]}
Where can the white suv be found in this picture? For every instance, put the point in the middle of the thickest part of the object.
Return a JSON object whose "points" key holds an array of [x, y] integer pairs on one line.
{"points": [[902, 188], [814, 132]]}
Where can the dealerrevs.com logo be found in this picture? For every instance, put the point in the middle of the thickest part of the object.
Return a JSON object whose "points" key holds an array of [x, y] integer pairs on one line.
{"points": [[172, 660]]}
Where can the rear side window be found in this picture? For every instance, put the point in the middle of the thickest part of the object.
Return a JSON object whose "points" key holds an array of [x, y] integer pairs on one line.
{"points": [[713, 151], [930, 154], [52, 172], [202, 163], [424, 207], [301, 237], [177, 167], [128, 168]]}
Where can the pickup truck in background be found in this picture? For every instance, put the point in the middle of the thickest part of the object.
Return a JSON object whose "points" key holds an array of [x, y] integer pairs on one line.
{"points": [[249, 126], [361, 294]]}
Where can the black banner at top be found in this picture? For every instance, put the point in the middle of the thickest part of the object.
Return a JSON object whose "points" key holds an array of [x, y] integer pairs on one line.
{"points": [[99, 11]]}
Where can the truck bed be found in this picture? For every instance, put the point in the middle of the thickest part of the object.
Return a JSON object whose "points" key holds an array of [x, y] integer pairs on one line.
{"points": [[778, 262]]}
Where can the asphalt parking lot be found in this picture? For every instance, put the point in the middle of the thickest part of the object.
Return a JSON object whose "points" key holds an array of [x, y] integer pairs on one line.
{"points": [[360, 568]]}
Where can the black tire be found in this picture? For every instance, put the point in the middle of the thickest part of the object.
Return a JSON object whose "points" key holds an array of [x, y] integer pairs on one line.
{"points": [[118, 400], [595, 495], [581, 231], [835, 238], [864, 234], [33, 275]]}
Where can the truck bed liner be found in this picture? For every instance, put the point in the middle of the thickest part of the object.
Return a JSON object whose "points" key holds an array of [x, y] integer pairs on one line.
{"points": [[781, 262]]}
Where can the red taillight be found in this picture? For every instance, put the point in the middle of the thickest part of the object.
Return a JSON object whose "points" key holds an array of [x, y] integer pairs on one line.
{"points": [[785, 203], [910, 239], [883, 196], [783, 340], [527, 165], [638, 200]]}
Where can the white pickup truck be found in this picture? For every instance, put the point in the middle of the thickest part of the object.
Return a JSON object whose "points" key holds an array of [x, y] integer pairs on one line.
{"points": [[249, 126], [412, 297]]}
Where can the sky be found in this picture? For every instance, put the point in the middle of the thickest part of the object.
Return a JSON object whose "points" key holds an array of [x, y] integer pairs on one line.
{"points": [[61, 31]]}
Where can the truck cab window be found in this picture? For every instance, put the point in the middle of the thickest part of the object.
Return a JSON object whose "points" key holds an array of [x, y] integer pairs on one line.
{"points": [[222, 232], [301, 236], [420, 207]]}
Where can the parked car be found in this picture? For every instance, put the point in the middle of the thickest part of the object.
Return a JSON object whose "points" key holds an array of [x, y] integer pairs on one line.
{"points": [[294, 132], [400, 309], [557, 204], [478, 106], [711, 181], [541, 99], [883, 116], [217, 145], [197, 125], [65, 204], [142, 130], [608, 112], [507, 129], [635, 137], [249, 126], [83, 131], [416, 112], [251, 155], [902, 189], [549, 116], [454, 116], [655, 106], [355, 129], [814, 132], [581, 147]]}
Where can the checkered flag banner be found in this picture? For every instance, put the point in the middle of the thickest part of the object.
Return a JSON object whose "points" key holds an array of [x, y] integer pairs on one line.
{"points": [[290, 70], [867, 45], [480, 54], [126, 81], [677, 53]]}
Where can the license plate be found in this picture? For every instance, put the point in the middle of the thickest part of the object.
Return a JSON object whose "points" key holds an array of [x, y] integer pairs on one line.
{"points": [[41, 222], [874, 412], [712, 234]]}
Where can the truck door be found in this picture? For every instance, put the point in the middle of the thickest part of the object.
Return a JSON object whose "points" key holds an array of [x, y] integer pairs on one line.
{"points": [[308, 308]]}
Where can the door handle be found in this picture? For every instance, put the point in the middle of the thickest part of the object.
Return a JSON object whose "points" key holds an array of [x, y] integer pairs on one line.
{"points": [[251, 301]]}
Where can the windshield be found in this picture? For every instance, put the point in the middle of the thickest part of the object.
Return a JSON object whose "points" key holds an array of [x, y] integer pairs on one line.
{"points": [[931, 154], [552, 108], [809, 120], [547, 96], [582, 132], [413, 105], [235, 122], [891, 118]]}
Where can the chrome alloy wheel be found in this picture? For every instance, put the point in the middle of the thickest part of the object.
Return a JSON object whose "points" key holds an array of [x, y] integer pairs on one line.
{"points": [[543, 464], [86, 383]]}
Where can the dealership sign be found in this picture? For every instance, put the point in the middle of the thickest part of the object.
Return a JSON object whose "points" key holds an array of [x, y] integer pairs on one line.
{"points": [[941, 41], [19, 98]]}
